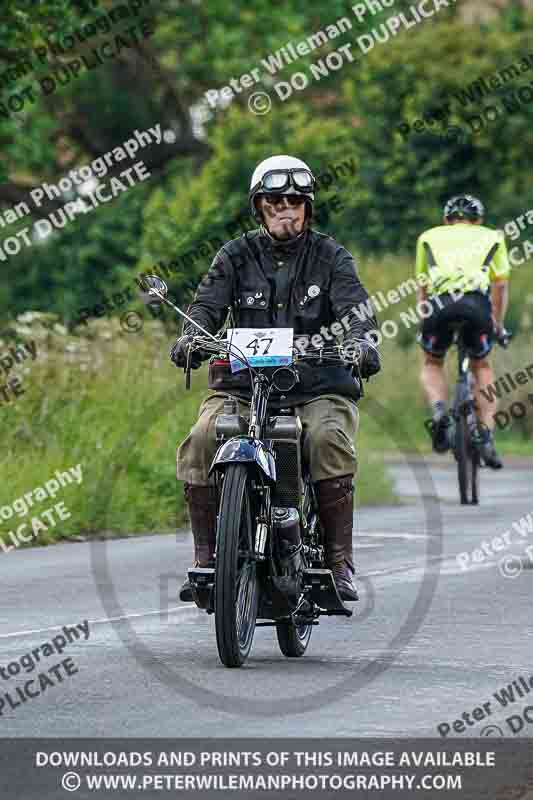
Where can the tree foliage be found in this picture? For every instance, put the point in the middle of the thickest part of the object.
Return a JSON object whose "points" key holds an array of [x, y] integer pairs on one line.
{"points": [[200, 175]]}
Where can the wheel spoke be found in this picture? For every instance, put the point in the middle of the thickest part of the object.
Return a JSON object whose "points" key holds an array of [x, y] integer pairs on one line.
{"points": [[245, 597]]}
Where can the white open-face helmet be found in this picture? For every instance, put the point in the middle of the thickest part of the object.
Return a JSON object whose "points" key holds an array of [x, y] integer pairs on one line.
{"points": [[281, 175]]}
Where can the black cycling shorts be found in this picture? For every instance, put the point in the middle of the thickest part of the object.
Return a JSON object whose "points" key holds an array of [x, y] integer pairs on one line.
{"points": [[474, 308]]}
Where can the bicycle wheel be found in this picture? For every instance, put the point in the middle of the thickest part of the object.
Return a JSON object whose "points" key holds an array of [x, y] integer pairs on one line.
{"points": [[293, 639], [236, 588], [467, 463], [475, 476]]}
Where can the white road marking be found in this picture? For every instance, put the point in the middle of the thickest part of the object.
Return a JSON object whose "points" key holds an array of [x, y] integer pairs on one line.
{"points": [[383, 535], [451, 567], [104, 621], [368, 545]]}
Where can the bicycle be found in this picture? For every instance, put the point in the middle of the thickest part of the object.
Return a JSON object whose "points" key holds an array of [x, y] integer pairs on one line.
{"points": [[465, 430]]}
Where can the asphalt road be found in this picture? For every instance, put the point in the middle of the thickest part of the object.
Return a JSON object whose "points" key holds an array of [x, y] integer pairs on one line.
{"points": [[429, 640]]}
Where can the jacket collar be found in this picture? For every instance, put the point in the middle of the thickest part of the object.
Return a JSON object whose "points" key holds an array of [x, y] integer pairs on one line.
{"points": [[288, 248]]}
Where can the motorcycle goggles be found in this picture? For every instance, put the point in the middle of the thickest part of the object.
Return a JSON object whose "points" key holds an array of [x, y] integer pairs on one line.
{"points": [[278, 180]]}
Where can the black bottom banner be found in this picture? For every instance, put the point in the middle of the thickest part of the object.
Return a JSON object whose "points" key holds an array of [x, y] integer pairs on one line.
{"points": [[282, 768]]}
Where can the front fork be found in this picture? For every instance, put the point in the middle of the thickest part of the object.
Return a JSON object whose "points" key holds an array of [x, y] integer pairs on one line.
{"points": [[263, 523]]}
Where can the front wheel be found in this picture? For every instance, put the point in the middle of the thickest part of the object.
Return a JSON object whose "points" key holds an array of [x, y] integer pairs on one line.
{"points": [[236, 586]]}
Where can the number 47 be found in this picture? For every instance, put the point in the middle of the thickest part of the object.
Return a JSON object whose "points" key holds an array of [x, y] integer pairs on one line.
{"points": [[255, 345]]}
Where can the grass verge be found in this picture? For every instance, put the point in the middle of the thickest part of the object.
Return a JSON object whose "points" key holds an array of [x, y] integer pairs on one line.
{"points": [[114, 404]]}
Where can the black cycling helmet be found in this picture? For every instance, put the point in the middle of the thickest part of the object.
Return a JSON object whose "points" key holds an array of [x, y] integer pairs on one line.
{"points": [[464, 206]]}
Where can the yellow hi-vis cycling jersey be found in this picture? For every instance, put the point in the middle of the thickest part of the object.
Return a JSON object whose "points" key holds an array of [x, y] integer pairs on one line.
{"points": [[462, 257]]}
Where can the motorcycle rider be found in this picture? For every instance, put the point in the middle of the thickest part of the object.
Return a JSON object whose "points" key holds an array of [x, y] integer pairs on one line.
{"points": [[467, 270], [283, 274]]}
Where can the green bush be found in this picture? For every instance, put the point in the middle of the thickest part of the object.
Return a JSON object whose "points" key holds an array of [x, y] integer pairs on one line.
{"points": [[73, 268]]}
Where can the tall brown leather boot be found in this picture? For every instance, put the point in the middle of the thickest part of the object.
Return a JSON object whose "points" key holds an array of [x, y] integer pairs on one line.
{"points": [[202, 504], [335, 510]]}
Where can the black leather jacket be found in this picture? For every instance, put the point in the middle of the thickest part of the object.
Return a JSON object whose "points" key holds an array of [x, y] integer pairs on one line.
{"points": [[306, 284]]}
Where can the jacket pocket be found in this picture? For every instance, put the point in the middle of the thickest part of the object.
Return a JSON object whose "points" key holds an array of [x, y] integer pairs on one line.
{"points": [[254, 308]]}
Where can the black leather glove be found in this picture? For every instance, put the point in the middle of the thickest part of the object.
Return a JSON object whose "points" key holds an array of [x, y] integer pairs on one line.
{"points": [[369, 361], [180, 352], [365, 355]]}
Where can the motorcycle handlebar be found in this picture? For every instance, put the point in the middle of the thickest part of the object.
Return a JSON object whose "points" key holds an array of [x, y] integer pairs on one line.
{"points": [[329, 353]]}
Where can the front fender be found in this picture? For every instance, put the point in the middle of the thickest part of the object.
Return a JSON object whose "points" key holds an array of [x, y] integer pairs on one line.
{"points": [[244, 449]]}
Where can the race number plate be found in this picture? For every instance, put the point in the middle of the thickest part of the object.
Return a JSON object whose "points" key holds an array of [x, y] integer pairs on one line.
{"points": [[263, 347]]}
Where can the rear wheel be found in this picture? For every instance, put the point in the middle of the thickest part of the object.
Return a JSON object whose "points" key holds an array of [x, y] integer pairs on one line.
{"points": [[236, 587], [475, 460], [293, 639], [467, 463]]}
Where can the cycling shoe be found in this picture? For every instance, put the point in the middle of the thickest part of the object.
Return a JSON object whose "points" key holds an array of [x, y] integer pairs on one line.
{"points": [[487, 451], [439, 430]]}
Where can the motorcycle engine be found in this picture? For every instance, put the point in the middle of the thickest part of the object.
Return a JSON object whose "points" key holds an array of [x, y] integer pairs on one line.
{"points": [[288, 549]]}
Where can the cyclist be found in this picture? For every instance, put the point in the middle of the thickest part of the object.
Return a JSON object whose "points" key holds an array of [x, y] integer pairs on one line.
{"points": [[284, 274], [463, 268]]}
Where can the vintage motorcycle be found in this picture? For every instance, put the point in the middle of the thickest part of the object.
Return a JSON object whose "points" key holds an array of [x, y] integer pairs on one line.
{"points": [[269, 559]]}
